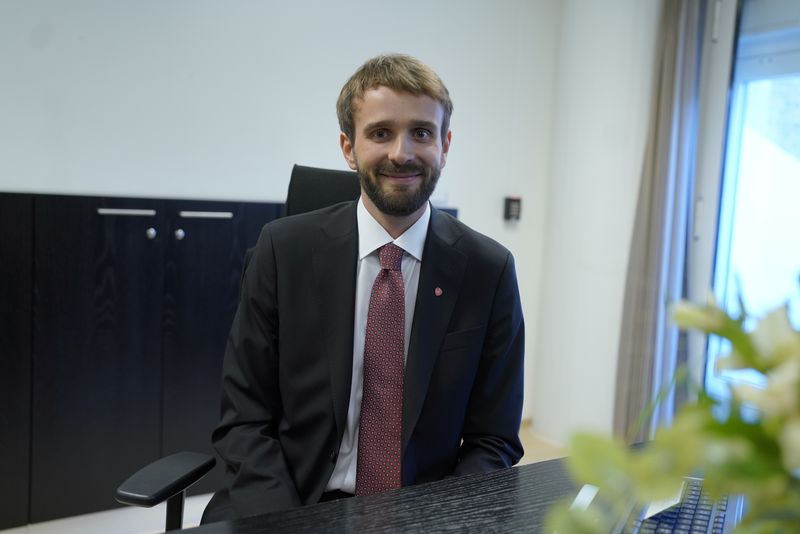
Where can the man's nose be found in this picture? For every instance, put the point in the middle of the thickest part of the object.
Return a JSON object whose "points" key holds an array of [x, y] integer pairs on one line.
{"points": [[402, 150]]}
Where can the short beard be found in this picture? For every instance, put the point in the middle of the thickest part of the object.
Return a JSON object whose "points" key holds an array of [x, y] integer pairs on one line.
{"points": [[398, 203]]}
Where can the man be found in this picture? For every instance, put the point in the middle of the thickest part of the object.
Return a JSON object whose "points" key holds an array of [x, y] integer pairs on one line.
{"points": [[378, 343]]}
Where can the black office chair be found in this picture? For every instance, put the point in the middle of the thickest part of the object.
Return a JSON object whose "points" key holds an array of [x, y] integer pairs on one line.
{"points": [[168, 478], [311, 188]]}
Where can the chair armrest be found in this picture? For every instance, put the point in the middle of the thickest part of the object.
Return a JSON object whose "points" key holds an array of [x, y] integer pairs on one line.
{"points": [[157, 482]]}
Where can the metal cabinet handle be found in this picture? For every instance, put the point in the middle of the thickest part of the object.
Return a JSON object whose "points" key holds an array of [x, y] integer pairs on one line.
{"points": [[205, 214], [180, 234], [126, 212], [151, 233]]}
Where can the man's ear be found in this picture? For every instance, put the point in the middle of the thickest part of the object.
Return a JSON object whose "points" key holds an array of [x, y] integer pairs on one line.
{"points": [[347, 150], [445, 147]]}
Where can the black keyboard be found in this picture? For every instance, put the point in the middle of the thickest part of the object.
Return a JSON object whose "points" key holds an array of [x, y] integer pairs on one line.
{"points": [[695, 513]]}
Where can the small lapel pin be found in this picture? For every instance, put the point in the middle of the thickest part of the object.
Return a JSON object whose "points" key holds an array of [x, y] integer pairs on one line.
{"points": [[438, 291]]}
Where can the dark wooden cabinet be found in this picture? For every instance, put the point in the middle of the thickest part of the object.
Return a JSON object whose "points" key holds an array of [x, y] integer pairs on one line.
{"points": [[97, 349], [114, 321], [16, 289], [201, 292]]}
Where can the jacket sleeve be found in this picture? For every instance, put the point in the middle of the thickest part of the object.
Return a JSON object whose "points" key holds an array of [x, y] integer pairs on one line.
{"points": [[259, 479], [491, 427]]}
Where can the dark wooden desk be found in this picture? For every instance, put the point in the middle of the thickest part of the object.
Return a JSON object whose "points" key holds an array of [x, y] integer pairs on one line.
{"points": [[511, 500]]}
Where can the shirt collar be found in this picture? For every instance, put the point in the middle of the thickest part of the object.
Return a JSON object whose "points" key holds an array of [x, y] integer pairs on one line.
{"points": [[372, 236]]}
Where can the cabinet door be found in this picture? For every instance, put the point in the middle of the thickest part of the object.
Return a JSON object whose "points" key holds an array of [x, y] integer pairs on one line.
{"points": [[16, 260], [204, 268], [96, 349]]}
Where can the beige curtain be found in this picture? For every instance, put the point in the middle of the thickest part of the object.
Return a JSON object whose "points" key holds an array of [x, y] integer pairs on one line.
{"points": [[649, 352]]}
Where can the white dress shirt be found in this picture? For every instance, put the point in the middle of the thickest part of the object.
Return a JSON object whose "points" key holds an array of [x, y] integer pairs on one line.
{"points": [[371, 237]]}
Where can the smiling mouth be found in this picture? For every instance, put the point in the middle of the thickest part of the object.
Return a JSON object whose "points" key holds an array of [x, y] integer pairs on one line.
{"points": [[401, 173]]}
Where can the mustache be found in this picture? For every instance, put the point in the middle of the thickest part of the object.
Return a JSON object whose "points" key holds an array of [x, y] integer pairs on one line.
{"points": [[408, 168]]}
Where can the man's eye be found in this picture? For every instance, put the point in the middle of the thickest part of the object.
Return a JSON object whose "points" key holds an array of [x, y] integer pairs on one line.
{"points": [[422, 133], [380, 134]]}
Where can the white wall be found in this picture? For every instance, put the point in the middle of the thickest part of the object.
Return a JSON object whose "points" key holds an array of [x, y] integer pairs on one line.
{"points": [[210, 99], [605, 58], [218, 100]]}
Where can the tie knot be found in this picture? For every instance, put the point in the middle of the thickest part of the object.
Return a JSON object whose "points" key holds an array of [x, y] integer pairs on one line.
{"points": [[390, 256]]}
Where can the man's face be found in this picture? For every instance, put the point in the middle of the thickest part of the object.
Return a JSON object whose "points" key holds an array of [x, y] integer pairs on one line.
{"points": [[398, 150]]}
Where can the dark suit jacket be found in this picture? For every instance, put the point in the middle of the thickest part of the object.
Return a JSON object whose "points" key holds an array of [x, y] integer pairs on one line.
{"points": [[288, 363]]}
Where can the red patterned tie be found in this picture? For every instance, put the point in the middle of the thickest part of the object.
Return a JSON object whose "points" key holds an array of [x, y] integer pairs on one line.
{"points": [[382, 401]]}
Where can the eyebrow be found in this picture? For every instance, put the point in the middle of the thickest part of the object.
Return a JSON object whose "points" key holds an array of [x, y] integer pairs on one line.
{"points": [[388, 123]]}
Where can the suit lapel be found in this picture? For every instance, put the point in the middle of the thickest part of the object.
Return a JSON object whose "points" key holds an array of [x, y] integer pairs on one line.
{"points": [[441, 273], [335, 261]]}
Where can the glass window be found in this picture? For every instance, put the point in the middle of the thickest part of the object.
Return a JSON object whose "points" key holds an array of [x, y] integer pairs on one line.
{"points": [[757, 257]]}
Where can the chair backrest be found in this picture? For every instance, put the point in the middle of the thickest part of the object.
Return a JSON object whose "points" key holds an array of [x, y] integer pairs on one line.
{"points": [[311, 188]]}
